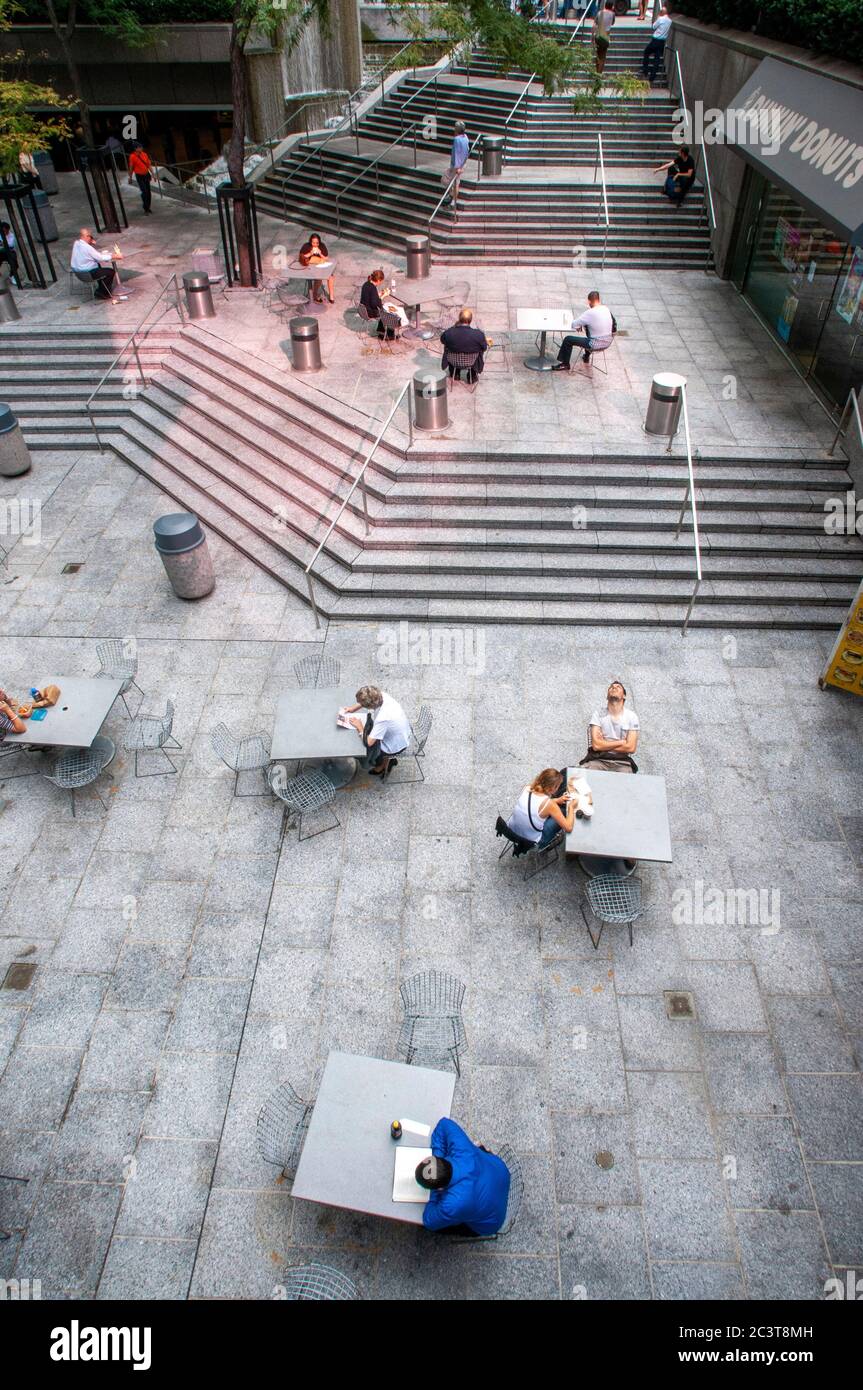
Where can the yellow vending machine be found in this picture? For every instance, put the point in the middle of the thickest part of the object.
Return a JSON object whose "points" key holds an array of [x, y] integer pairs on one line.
{"points": [[844, 667]]}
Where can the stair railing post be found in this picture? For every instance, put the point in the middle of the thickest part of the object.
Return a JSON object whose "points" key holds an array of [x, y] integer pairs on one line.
{"points": [[312, 599], [138, 360], [365, 502], [415, 145]]}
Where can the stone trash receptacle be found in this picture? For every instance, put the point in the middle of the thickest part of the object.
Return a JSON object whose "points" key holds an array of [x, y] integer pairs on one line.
{"points": [[14, 454], [182, 545]]}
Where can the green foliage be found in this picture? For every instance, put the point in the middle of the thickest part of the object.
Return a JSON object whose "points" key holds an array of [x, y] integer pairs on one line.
{"points": [[19, 129], [831, 27]]}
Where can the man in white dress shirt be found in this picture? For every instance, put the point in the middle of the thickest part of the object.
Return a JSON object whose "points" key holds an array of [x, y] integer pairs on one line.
{"points": [[99, 265], [653, 53], [390, 731], [596, 322]]}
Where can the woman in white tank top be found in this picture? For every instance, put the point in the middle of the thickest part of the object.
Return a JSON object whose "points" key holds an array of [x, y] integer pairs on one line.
{"points": [[538, 816]]}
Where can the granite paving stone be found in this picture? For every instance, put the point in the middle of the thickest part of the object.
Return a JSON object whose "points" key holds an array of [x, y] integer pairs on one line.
{"points": [[838, 1191], [685, 1213], [783, 1255]]}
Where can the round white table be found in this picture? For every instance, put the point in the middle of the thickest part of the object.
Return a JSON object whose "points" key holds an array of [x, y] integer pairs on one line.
{"points": [[317, 273]]}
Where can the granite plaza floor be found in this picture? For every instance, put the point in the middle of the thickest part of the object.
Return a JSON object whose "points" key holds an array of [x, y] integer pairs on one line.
{"points": [[183, 970]]}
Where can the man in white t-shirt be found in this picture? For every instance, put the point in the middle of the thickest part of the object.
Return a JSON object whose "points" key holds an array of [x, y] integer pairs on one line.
{"points": [[390, 732], [653, 53], [597, 322], [613, 733]]}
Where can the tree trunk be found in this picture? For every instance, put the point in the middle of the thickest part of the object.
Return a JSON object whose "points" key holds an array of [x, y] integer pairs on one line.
{"points": [[237, 149], [63, 34]]}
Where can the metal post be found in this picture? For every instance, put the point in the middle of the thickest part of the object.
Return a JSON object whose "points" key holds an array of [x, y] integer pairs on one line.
{"points": [[312, 600], [415, 145], [138, 360], [696, 587], [365, 503], [99, 443], [410, 421]]}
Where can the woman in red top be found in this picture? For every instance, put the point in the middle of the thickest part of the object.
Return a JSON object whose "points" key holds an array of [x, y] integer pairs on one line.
{"points": [[139, 169]]}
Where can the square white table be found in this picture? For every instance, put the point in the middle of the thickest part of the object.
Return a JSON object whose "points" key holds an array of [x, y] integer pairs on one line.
{"points": [[543, 321], [630, 817], [347, 1159], [305, 730], [84, 705]]}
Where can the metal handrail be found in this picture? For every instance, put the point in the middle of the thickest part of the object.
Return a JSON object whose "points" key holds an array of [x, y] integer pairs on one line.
{"points": [[600, 160], [373, 165], [359, 481], [703, 154], [690, 497], [443, 197], [184, 190], [131, 342], [853, 405], [339, 129], [271, 141], [574, 33]]}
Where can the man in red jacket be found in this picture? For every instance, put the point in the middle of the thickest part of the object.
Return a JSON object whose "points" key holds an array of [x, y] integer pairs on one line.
{"points": [[139, 169]]}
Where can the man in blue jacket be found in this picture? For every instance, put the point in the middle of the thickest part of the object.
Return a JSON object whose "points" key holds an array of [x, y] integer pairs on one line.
{"points": [[469, 1186]]}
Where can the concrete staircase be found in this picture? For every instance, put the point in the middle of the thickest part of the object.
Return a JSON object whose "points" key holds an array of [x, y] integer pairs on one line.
{"points": [[520, 223], [459, 534], [534, 211], [47, 374]]}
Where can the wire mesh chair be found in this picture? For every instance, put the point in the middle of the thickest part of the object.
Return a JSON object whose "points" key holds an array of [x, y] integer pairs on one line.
{"points": [[535, 855], [77, 768], [249, 753], [152, 733], [118, 664], [516, 1194], [383, 342], [433, 1026], [420, 730], [290, 299], [612, 900], [462, 362], [316, 1281], [315, 671], [301, 796], [598, 348], [283, 1120]]}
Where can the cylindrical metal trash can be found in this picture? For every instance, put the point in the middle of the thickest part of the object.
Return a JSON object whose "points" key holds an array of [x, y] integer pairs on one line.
{"points": [[199, 297], [181, 542], [14, 454], [492, 155], [430, 400], [665, 404], [305, 345], [418, 254], [46, 216], [8, 308], [46, 171]]}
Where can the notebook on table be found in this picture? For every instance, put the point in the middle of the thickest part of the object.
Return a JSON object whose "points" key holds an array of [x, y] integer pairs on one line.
{"points": [[405, 1186]]}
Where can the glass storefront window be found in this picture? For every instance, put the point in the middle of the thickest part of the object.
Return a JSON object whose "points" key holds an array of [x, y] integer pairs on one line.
{"points": [[806, 284]]}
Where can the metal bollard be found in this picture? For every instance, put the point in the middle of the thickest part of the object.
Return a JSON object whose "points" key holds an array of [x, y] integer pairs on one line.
{"points": [[8, 308], [181, 543], [492, 155], [418, 255], [199, 297], [14, 454], [305, 345], [665, 404], [431, 411]]}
